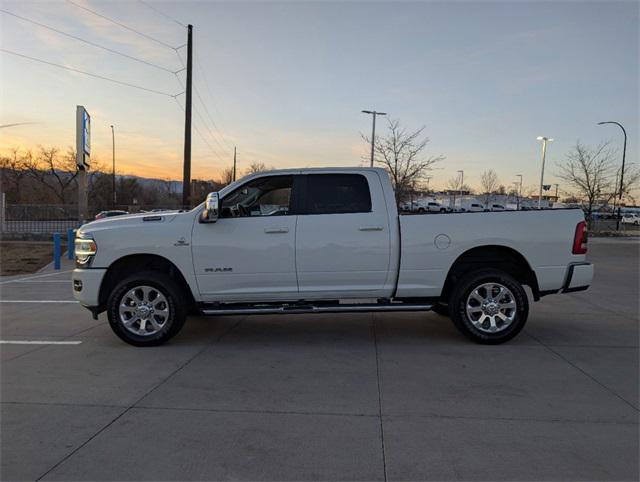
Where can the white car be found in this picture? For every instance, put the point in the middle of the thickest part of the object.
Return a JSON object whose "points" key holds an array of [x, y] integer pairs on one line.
{"points": [[497, 207], [631, 218], [324, 240], [424, 206], [470, 207]]}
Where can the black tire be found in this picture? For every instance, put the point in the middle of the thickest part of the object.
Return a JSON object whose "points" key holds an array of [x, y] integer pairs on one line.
{"points": [[471, 282], [175, 301], [441, 309]]}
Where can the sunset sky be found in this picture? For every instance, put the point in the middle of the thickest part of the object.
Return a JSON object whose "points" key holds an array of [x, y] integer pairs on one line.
{"points": [[286, 82]]}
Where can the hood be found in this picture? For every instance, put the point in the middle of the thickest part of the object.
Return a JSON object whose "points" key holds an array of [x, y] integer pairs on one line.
{"points": [[128, 221]]}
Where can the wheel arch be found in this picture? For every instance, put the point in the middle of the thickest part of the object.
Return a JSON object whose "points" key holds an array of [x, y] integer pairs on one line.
{"points": [[133, 263], [491, 256]]}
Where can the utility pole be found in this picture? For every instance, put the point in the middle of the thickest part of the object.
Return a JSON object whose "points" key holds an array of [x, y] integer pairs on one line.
{"points": [[234, 163], [186, 173], [373, 130], [519, 192], [113, 155], [461, 183], [428, 178], [544, 155], [624, 154], [556, 185]]}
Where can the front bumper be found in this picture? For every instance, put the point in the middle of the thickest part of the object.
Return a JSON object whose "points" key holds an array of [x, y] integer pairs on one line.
{"points": [[86, 285], [579, 277]]}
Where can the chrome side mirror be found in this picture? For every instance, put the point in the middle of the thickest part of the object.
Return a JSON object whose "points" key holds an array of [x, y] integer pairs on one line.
{"points": [[211, 208]]}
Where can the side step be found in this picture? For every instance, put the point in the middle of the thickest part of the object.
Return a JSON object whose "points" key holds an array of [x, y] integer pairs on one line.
{"points": [[300, 309]]}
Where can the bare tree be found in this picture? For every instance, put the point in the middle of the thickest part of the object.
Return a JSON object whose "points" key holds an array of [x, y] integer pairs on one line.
{"points": [[56, 173], [226, 177], [489, 184], [629, 184], [589, 172], [401, 153], [14, 170], [455, 186], [257, 167]]}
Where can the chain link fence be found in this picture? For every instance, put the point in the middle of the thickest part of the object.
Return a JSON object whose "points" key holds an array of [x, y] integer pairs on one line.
{"points": [[49, 218], [35, 218]]}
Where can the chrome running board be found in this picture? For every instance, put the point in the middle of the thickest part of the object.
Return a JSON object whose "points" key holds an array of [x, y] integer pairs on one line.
{"points": [[303, 309]]}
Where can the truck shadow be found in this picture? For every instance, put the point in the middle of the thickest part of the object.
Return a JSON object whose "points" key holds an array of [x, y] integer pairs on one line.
{"points": [[331, 329]]}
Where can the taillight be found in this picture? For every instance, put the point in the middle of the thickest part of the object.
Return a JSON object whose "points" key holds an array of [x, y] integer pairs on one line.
{"points": [[580, 239]]}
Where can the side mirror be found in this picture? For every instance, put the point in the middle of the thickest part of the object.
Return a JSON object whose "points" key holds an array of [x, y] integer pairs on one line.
{"points": [[211, 208]]}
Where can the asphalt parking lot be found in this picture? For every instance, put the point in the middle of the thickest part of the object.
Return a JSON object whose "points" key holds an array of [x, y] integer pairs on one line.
{"points": [[367, 397]]}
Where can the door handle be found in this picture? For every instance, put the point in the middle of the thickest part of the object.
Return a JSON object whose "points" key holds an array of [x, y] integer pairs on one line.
{"points": [[370, 228], [276, 230]]}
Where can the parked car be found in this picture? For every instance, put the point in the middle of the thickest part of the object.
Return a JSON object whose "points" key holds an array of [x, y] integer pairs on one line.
{"points": [[109, 214], [424, 206], [471, 207], [496, 207], [631, 218], [337, 244]]}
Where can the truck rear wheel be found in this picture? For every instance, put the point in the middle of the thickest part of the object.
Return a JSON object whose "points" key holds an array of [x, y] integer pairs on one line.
{"points": [[489, 306], [146, 309]]}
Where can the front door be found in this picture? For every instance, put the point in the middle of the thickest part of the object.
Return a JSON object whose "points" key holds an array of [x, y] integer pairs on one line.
{"points": [[248, 254]]}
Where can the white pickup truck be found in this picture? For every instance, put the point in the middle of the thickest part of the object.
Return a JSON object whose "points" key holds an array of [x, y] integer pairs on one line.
{"points": [[324, 240]]}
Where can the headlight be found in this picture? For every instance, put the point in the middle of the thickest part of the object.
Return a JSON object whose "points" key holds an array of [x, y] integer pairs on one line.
{"points": [[85, 248]]}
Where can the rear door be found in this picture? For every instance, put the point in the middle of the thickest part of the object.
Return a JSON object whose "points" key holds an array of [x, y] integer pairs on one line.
{"points": [[342, 236]]}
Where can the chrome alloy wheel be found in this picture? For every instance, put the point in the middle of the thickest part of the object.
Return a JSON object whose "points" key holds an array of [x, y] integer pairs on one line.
{"points": [[491, 307], [144, 310]]}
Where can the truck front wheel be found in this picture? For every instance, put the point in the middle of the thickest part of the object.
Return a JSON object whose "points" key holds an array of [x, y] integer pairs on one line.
{"points": [[146, 309], [489, 306]]}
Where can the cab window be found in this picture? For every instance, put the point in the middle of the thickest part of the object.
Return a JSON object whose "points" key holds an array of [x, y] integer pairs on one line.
{"points": [[265, 196], [337, 194]]}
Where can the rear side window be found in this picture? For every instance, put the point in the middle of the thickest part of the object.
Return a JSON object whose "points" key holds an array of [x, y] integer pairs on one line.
{"points": [[337, 194]]}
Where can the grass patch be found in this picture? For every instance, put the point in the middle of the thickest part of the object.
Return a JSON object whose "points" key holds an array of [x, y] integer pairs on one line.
{"points": [[22, 257]]}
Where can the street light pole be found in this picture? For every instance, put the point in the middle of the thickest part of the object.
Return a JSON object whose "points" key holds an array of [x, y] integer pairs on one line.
{"points": [[519, 192], [428, 178], [461, 184], [544, 155], [373, 129], [624, 153], [113, 155], [556, 185]]}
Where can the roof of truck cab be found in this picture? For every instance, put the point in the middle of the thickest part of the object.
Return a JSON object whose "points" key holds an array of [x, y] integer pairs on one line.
{"points": [[302, 170]]}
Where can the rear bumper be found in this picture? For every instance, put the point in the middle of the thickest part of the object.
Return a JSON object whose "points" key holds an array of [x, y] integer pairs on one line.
{"points": [[579, 277], [86, 285]]}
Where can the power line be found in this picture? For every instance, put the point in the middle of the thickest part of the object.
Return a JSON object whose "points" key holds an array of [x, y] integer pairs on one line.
{"points": [[215, 126], [200, 134], [213, 137], [160, 12], [210, 132], [211, 97], [89, 42], [98, 76], [224, 149], [149, 37]]}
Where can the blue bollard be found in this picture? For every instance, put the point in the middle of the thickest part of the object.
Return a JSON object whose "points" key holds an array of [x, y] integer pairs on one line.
{"points": [[70, 244], [57, 248]]}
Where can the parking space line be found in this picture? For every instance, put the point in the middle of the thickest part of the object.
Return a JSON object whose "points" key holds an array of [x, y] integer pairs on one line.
{"points": [[44, 281], [38, 301], [38, 342], [34, 277]]}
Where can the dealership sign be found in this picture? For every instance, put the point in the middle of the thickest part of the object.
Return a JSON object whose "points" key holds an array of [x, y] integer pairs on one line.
{"points": [[83, 137]]}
